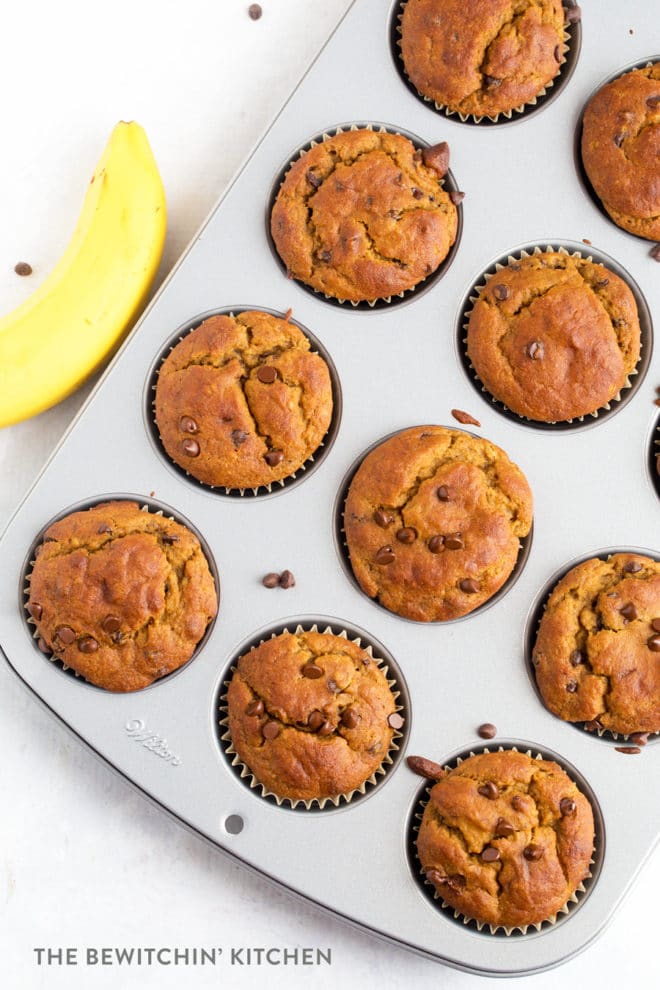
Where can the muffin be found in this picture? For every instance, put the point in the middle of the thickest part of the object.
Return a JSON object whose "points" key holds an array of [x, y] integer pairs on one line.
{"points": [[433, 521], [554, 336], [120, 595], [363, 215], [505, 839], [621, 147], [480, 58], [597, 652], [311, 715], [242, 401]]}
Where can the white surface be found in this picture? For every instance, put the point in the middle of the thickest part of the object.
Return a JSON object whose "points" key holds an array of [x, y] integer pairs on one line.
{"points": [[85, 861]]}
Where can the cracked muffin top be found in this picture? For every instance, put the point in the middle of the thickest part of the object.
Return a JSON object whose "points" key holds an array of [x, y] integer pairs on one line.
{"points": [[120, 595], [554, 337], [242, 401], [363, 215], [311, 715], [597, 652], [482, 58], [506, 839], [433, 521], [621, 149]]}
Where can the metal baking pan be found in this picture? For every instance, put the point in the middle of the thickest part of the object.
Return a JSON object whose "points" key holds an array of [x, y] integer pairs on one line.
{"points": [[397, 366]]}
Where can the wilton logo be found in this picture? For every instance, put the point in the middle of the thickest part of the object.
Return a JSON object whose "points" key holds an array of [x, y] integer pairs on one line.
{"points": [[137, 730]]}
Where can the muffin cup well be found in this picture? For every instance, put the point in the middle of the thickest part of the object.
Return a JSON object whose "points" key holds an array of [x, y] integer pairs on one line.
{"points": [[146, 505], [261, 491], [573, 250], [502, 931], [654, 457], [448, 183], [572, 41], [384, 660]]}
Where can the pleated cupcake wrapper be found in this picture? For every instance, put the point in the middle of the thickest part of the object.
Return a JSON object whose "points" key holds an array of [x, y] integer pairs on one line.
{"points": [[482, 926], [476, 118], [362, 303], [259, 490], [474, 296], [321, 803]]}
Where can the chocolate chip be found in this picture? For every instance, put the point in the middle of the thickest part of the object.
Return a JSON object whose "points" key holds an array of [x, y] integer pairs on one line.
{"points": [[628, 750], [104, 528], [332, 685], [468, 586], [406, 535], [619, 139], [271, 730], [655, 252], [437, 158], [169, 539], [567, 806], [576, 658], [492, 82], [66, 635], [191, 448], [238, 437], [501, 292], [394, 214], [454, 541], [88, 645], [267, 374], [572, 687], [188, 425], [326, 729], [312, 671], [490, 854], [593, 726], [43, 645], [22, 268], [572, 14], [35, 610], [436, 877], [385, 556], [111, 624], [651, 102], [436, 544], [602, 283], [655, 623], [654, 643], [456, 197], [316, 720], [395, 720], [503, 829], [287, 580], [271, 580], [274, 457], [417, 193], [533, 853], [557, 53], [489, 790], [517, 803], [382, 519], [465, 418], [325, 255], [255, 707], [350, 718], [443, 493], [535, 350], [255, 11], [313, 179], [425, 768], [487, 730], [629, 612], [639, 738], [632, 567]]}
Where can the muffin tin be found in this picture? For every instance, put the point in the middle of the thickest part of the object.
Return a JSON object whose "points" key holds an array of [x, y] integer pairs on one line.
{"points": [[397, 366]]}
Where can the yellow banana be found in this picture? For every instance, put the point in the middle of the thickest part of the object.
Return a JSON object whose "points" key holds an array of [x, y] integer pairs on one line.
{"points": [[54, 340]]}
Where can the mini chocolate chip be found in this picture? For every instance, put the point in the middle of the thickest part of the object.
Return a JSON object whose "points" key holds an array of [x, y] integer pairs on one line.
{"points": [[36, 610], [385, 556], [629, 612], [487, 730], [111, 624], [188, 425], [436, 544], [501, 292], [104, 528], [632, 567], [313, 179], [417, 193], [22, 268], [572, 687], [88, 645], [489, 790], [651, 102], [492, 82], [567, 806], [465, 418], [255, 707], [316, 720], [443, 493], [602, 283], [287, 580], [382, 519], [274, 457], [395, 720], [43, 645], [468, 586], [619, 139], [325, 255], [326, 729], [628, 750], [270, 730], [271, 580], [238, 437], [350, 718], [557, 53], [517, 803], [533, 853], [66, 635], [406, 535], [456, 197], [535, 350], [572, 14], [394, 214], [639, 738], [455, 881], [503, 828], [169, 539], [454, 541], [654, 622], [490, 854], [190, 447], [425, 768], [312, 670], [254, 11], [576, 658], [654, 643], [267, 374], [437, 158]]}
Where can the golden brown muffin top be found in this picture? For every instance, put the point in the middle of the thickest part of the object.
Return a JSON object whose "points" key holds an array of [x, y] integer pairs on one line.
{"points": [[311, 715], [363, 215], [242, 401], [506, 839], [554, 337], [433, 520], [482, 57], [621, 150], [597, 652], [120, 595]]}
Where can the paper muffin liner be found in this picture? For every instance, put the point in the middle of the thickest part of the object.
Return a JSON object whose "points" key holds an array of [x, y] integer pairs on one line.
{"points": [[598, 731], [570, 48], [157, 509], [341, 542], [577, 422], [447, 182], [260, 491], [327, 803], [482, 927]]}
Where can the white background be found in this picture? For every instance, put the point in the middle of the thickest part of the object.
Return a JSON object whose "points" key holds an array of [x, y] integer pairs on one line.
{"points": [[84, 860]]}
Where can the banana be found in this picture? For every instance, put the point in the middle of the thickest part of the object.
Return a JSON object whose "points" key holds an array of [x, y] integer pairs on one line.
{"points": [[55, 339]]}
